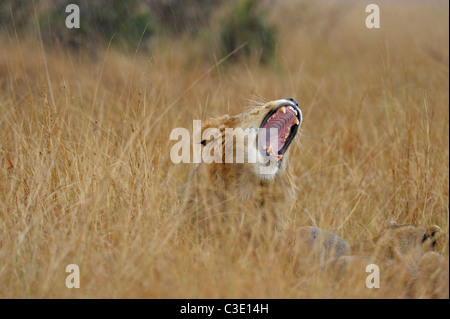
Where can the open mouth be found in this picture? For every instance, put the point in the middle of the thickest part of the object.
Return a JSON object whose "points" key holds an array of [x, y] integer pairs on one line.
{"points": [[285, 119]]}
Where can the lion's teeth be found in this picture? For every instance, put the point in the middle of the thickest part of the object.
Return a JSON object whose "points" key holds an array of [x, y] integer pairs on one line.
{"points": [[283, 109], [269, 149], [296, 121], [293, 110], [280, 157]]}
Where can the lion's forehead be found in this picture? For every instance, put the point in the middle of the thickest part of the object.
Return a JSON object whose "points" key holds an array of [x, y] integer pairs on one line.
{"points": [[258, 113], [251, 116]]}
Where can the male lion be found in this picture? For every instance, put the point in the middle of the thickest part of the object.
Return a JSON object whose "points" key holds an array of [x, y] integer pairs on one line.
{"points": [[230, 198]]}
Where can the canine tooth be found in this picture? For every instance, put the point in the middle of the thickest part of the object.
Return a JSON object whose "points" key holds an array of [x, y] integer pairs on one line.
{"points": [[283, 109], [269, 149], [296, 121], [280, 157]]}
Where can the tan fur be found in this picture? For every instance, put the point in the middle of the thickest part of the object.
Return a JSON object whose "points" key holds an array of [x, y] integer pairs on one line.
{"points": [[226, 197], [412, 253], [400, 241], [429, 277]]}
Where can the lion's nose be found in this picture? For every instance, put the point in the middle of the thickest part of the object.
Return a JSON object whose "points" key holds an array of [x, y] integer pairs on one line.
{"points": [[293, 101]]}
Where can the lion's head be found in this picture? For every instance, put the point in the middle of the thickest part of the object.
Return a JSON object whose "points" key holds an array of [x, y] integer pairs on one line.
{"points": [[260, 136]]}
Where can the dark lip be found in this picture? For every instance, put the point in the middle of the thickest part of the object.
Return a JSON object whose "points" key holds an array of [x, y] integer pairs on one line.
{"points": [[294, 128]]}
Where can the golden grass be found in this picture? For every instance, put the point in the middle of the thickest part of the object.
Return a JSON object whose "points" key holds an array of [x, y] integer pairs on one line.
{"points": [[85, 174]]}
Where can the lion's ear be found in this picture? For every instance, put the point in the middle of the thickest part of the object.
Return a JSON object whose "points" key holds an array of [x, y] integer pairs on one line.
{"points": [[431, 231], [392, 224], [432, 237]]}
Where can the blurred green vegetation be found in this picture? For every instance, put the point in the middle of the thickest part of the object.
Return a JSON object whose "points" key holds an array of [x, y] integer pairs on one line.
{"points": [[22, 12], [177, 17], [248, 26], [100, 21], [129, 22]]}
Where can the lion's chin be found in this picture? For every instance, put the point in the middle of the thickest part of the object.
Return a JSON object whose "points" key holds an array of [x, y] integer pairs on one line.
{"points": [[266, 167]]}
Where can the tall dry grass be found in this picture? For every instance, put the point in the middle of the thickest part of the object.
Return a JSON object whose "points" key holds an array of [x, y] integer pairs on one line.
{"points": [[86, 178]]}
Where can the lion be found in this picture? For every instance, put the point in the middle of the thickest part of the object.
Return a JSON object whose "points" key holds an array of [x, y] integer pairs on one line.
{"points": [[400, 241], [245, 196], [410, 258]]}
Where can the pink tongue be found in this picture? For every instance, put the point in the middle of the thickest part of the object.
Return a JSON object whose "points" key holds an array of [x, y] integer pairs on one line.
{"points": [[282, 122]]}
